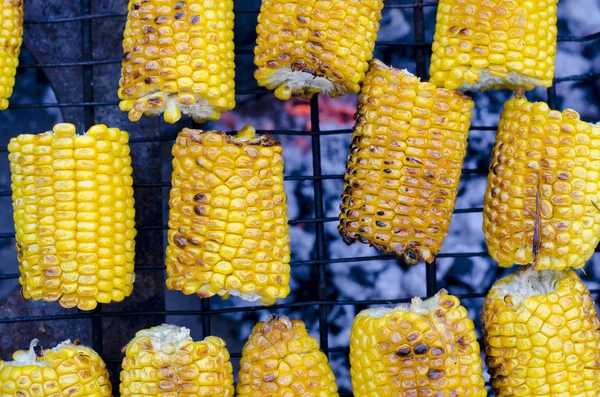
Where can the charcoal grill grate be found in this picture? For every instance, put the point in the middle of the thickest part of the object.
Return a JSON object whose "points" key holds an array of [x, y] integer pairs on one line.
{"points": [[421, 52]]}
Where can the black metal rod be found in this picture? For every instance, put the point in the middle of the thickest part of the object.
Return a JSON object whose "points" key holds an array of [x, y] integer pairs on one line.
{"points": [[206, 323], [421, 64], [319, 213], [419, 30], [89, 116], [552, 97], [214, 312], [314, 262], [431, 278]]}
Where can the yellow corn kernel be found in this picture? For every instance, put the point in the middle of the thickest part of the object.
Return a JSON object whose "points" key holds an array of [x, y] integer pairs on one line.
{"points": [[483, 45], [541, 331], [164, 360], [309, 46], [67, 370], [542, 201], [178, 59], [73, 214], [427, 348], [11, 37], [228, 231], [404, 166], [281, 359]]}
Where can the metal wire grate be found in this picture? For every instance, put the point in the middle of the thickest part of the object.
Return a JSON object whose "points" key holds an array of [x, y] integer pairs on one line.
{"points": [[320, 258]]}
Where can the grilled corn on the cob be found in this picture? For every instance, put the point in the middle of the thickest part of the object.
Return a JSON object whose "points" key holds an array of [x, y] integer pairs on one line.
{"points": [[404, 165], [281, 359], [11, 38], [490, 44], [74, 215], [66, 370], [228, 231], [426, 349], [178, 58], [543, 196], [542, 335], [165, 361], [310, 46]]}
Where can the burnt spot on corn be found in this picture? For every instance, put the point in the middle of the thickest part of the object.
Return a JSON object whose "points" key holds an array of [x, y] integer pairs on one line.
{"points": [[437, 351], [404, 351], [435, 374], [161, 19], [200, 198], [421, 348], [179, 240]]}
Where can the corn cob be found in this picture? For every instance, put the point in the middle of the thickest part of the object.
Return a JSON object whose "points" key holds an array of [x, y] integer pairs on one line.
{"points": [[228, 231], [165, 361], [542, 200], [74, 215], [310, 46], [491, 44], [67, 370], [11, 38], [426, 349], [281, 359], [178, 58], [542, 335], [404, 165]]}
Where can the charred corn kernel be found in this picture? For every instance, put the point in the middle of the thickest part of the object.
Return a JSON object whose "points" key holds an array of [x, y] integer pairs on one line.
{"points": [[66, 370], [281, 359], [482, 45], [11, 38], [542, 200], [542, 335], [165, 361], [178, 59], [309, 46], [73, 213], [404, 165], [228, 231], [428, 348]]}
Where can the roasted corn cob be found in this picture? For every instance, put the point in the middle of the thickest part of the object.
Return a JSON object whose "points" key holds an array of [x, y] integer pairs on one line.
{"points": [[66, 370], [542, 335], [165, 361], [11, 38], [310, 46], [281, 359], [228, 231], [404, 165], [542, 204], [426, 349], [74, 215], [178, 58], [490, 44]]}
